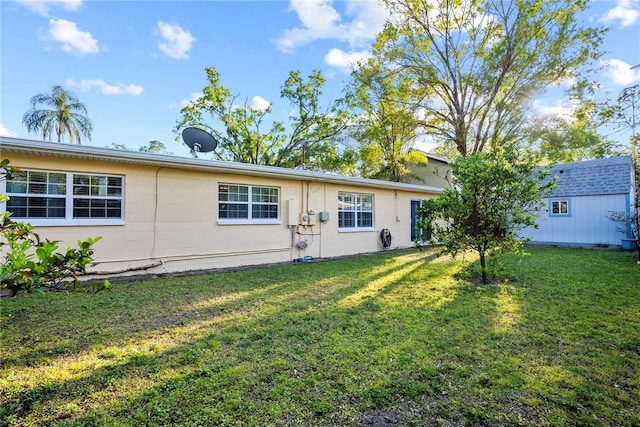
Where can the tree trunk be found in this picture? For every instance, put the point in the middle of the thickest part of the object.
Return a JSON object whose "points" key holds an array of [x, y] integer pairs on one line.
{"points": [[483, 268]]}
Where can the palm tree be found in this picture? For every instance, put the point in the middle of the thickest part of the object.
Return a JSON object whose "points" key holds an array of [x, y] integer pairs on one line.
{"points": [[67, 115]]}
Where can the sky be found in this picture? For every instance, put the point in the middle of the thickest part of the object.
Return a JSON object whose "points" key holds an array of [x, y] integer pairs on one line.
{"points": [[135, 64]]}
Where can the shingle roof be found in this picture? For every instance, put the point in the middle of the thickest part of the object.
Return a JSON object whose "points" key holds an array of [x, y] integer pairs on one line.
{"points": [[593, 177]]}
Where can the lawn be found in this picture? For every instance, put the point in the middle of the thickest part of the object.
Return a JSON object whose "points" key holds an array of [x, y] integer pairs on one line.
{"points": [[387, 339]]}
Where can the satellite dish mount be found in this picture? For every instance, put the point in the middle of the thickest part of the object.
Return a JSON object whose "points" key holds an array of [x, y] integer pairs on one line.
{"points": [[200, 141]]}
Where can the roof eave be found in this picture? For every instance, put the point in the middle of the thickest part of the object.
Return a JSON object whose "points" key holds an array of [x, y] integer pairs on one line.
{"points": [[85, 152]]}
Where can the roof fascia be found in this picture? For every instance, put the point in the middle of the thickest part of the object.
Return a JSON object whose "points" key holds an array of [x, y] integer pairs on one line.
{"points": [[85, 152]]}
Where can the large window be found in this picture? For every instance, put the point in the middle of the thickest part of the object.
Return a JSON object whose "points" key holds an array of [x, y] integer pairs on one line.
{"points": [[246, 203], [560, 207], [355, 211], [61, 198]]}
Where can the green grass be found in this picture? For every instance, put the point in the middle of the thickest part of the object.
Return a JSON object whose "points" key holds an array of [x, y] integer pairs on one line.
{"points": [[387, 339]]}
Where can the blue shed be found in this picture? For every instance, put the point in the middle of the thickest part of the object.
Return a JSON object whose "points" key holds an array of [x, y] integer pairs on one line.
{"points": [[575, 214]]}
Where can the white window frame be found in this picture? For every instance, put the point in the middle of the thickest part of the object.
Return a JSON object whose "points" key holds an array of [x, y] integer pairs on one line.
{"points": [[356, 210], [69, 198], [567, 202], [250, 203]]}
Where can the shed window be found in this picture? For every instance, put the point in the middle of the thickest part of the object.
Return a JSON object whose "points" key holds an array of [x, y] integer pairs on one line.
{"points": [[355, 211], [64, 198], [560, 208], [246, 203]]}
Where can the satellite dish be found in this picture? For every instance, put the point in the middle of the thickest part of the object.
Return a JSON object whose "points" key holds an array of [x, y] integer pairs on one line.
{"points": [[199, 140]]}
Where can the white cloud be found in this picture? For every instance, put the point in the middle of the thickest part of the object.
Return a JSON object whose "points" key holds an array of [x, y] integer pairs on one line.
{"points": [[625, 11], [345, 61], [70, 38], [260, 103], [620, 72], [175, 42], [555, 109], [42, 7], [106, 88], [195, 96], [320, 20], [6, 132]]}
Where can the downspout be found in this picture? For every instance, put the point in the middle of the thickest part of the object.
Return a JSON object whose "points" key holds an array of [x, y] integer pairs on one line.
{"points": [[155, 217]]}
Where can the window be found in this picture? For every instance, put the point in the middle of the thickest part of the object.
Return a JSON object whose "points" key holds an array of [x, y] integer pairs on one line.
{"points": [[560, 208], [245, 203], [355, 211], [61, 198]]}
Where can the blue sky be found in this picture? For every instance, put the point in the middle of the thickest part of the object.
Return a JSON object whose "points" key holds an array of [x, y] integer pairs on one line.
{"points": [[135, 63]]}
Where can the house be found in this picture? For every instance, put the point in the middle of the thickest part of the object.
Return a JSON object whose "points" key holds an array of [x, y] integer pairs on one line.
{"points": [[434, 174], [162, 214], [575, 214]]}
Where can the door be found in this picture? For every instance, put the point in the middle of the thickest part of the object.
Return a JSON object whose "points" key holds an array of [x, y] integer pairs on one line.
{"points": [[414, 212]]}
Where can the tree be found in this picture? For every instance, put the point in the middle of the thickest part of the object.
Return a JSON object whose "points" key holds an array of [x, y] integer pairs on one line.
{"points": [[574, 137], [154, 147], [384, 128], [627, 110], [66, 116], [475, 64], [310, 142], [493, 195], [560, 140]]}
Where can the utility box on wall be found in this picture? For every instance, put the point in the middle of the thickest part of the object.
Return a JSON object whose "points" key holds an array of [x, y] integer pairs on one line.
{"points": [[308, 218], [323, 216], [293, 207]]}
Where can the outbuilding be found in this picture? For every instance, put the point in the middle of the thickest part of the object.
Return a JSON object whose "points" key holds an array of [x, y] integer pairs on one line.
{"points": [[576, 212]]}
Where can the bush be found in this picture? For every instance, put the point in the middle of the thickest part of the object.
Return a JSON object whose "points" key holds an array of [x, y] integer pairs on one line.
{"points": [[31, 263]]}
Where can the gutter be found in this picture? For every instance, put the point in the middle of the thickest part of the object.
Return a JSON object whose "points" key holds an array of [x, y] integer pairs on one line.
{"points": [[84, 152]]}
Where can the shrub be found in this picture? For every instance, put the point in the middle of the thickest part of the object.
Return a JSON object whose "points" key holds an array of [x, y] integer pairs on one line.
{"points": [[31, 263]]}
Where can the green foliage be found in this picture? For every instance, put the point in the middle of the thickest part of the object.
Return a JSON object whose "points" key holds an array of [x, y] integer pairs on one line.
{"points": [[559, 139], [309, 140], [153, 147], [476, 65], [492, 197], [66, 116], [31, 263], [384, 124]]}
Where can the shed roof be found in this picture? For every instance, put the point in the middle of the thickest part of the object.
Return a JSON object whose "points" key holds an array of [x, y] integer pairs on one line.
{"points": [[110, 155], [593, 177]]}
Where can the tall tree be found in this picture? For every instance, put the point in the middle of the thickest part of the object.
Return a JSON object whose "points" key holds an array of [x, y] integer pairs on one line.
{"points": [[627, 110], [66, 116], [476, 63], [574, 137], [384, 127], [309, 140]]}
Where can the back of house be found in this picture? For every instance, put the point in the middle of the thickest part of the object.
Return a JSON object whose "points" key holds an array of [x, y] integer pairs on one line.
{"points": [[576, 212], [165, 214]]}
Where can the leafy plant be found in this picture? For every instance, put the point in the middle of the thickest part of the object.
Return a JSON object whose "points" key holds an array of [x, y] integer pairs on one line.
{"points": [[491, 198], [31, 263]]}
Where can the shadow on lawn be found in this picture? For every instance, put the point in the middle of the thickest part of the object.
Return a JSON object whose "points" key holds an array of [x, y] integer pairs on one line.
{"points": [[389, 346], [221, 294], [246, 327]]}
